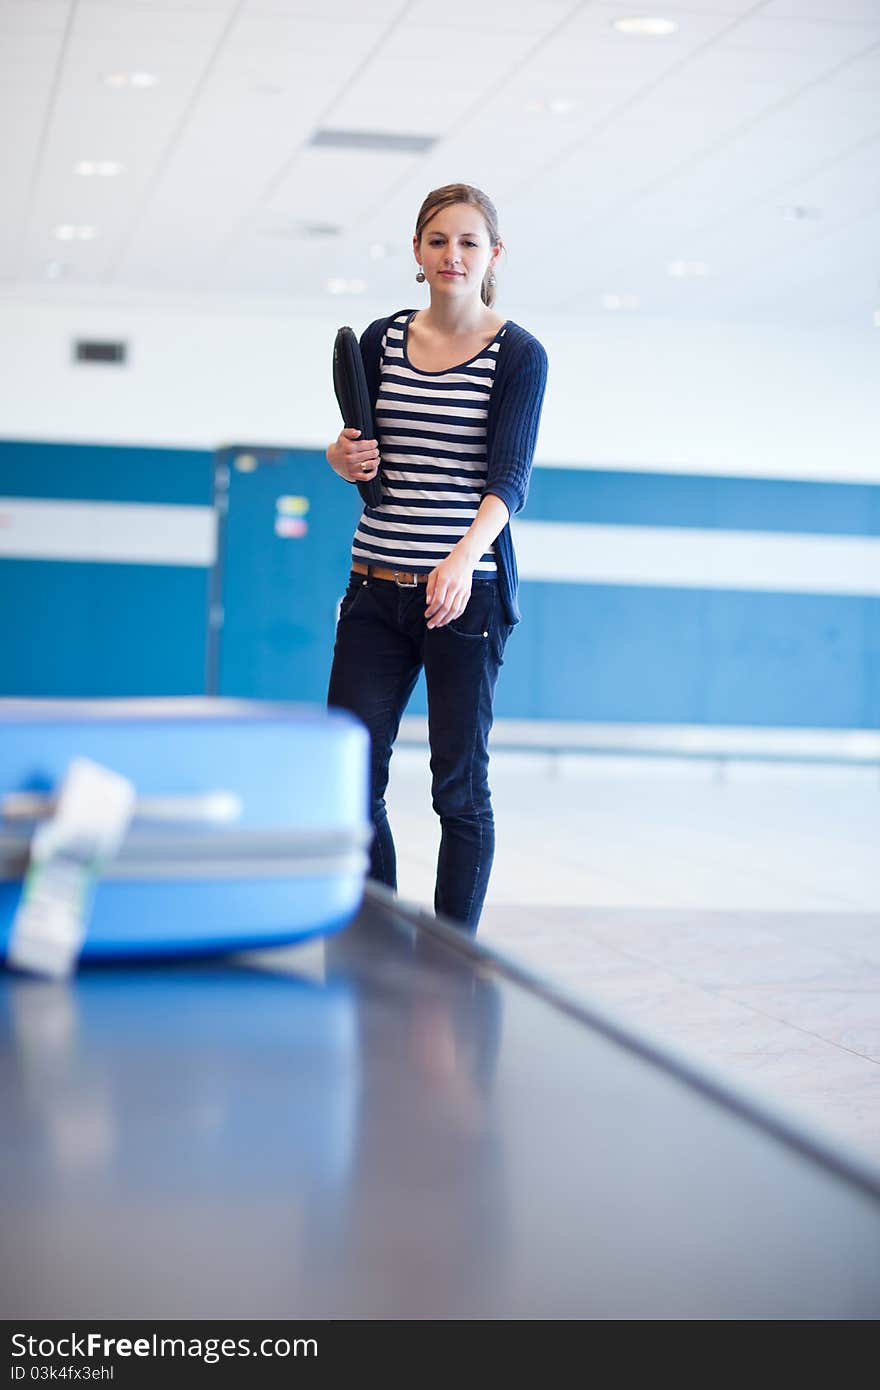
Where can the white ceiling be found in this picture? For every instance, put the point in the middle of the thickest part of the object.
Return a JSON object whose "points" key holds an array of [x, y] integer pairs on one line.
{"points": [[695, 146]]}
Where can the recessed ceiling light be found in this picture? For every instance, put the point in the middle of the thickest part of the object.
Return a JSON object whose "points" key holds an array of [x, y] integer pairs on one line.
{"points": [[683, 268], [799, 213], [66, 231], [130, 79], [645, 27], [103, 168], [551, 106], [620, 301]]}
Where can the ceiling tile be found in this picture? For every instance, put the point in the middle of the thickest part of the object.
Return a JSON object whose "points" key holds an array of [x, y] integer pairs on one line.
{"points": [[716, 7], [34, 16], [689, 146], [834, 41], [695, 26], [336, 11], [322, 38], [518, 16], [825, 11], [106, 19]]}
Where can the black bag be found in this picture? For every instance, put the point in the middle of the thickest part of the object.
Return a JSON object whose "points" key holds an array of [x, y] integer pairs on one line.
{"points": [[350, 385]]}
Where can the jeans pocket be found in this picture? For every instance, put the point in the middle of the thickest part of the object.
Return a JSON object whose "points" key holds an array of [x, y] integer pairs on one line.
{"points": [[356, 586], [476, 622]]}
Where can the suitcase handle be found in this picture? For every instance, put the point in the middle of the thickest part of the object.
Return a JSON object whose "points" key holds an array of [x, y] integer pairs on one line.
{"points": [[209, 808]]}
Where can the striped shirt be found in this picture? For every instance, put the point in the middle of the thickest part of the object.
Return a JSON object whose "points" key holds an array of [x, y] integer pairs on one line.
{"points": [[431, 429]]}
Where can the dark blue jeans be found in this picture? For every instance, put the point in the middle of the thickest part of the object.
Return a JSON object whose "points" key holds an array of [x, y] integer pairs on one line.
{"points": [[381, 645]]}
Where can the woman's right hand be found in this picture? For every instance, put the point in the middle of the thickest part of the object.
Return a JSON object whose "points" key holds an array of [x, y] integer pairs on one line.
{"points": [[354, 459]]}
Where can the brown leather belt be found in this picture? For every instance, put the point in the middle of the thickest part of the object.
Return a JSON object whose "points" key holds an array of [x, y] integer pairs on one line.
{"points": [[404, 579]]}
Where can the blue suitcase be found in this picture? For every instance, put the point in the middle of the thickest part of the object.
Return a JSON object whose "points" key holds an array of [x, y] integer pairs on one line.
{"points": [[249, 822]]}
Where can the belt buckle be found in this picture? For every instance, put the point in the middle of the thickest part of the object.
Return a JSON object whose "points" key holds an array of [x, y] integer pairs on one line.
{"points": [[401, 584]]}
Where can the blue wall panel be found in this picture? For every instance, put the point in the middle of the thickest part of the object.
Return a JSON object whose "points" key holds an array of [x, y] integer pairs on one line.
{"points": [[105, 472], [694, 500], [613, 652], [75, 628], [657, 655], [787, 659], [871, 669], [608, 652], [84, 630]]}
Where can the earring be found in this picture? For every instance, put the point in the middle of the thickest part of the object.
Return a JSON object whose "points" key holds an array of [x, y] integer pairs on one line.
{"points": [[420, 275], [492, 281]]}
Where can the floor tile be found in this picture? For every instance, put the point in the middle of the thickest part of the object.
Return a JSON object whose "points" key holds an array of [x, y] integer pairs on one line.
{"points": [[734, 919], [850, 1019]]}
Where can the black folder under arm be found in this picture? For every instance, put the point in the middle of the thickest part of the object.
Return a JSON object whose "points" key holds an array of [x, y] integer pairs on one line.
{"points": [[350, 385]]}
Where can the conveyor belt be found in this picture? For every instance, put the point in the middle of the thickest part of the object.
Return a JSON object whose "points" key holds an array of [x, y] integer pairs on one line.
{"points": [[395, 1123]]}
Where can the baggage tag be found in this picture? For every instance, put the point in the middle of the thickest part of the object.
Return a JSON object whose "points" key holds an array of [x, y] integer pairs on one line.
{"points": [[91, 816]]}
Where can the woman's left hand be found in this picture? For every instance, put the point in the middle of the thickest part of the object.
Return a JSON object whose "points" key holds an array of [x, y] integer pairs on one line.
{"points": [[448, 590]]}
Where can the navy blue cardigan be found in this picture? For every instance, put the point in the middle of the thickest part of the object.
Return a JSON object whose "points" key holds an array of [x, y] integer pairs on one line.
{"points": [[511, 430]]}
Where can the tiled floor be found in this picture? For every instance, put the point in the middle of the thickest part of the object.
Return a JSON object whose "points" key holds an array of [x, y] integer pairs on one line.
{"points": [[737, 920]]}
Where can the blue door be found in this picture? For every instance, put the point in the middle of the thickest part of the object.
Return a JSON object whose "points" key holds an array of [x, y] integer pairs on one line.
{"points": [[285, 523]]}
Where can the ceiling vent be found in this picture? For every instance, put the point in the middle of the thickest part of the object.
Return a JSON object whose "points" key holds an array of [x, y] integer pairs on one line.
{"points": [[90, 350], [301, 231], [373, 141]]}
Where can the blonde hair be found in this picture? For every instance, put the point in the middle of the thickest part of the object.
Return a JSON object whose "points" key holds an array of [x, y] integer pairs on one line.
{"points": [[445, 197]]}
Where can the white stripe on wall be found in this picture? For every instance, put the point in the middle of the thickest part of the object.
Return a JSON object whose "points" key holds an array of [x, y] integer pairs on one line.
{"points": [[684, 740], [131, 533], [679, 556], [548, 551]]}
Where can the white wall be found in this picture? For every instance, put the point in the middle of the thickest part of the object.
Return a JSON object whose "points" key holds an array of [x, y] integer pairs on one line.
{"points": [[629, 393]]}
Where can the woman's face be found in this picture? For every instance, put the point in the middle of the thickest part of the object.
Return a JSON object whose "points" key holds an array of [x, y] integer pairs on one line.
{"points": [[455, 251]]}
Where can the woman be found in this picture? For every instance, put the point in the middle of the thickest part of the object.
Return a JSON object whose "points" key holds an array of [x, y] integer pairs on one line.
{"points": [[457, 393]]}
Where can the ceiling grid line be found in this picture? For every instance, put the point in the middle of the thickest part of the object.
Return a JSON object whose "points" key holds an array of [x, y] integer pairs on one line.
{"points": [[152, 184], [485, 97], [618, 111], [708, 289], [290, 163], [722, 159], [694, 160], [708, 292], [31, 196], [864, 142]]}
